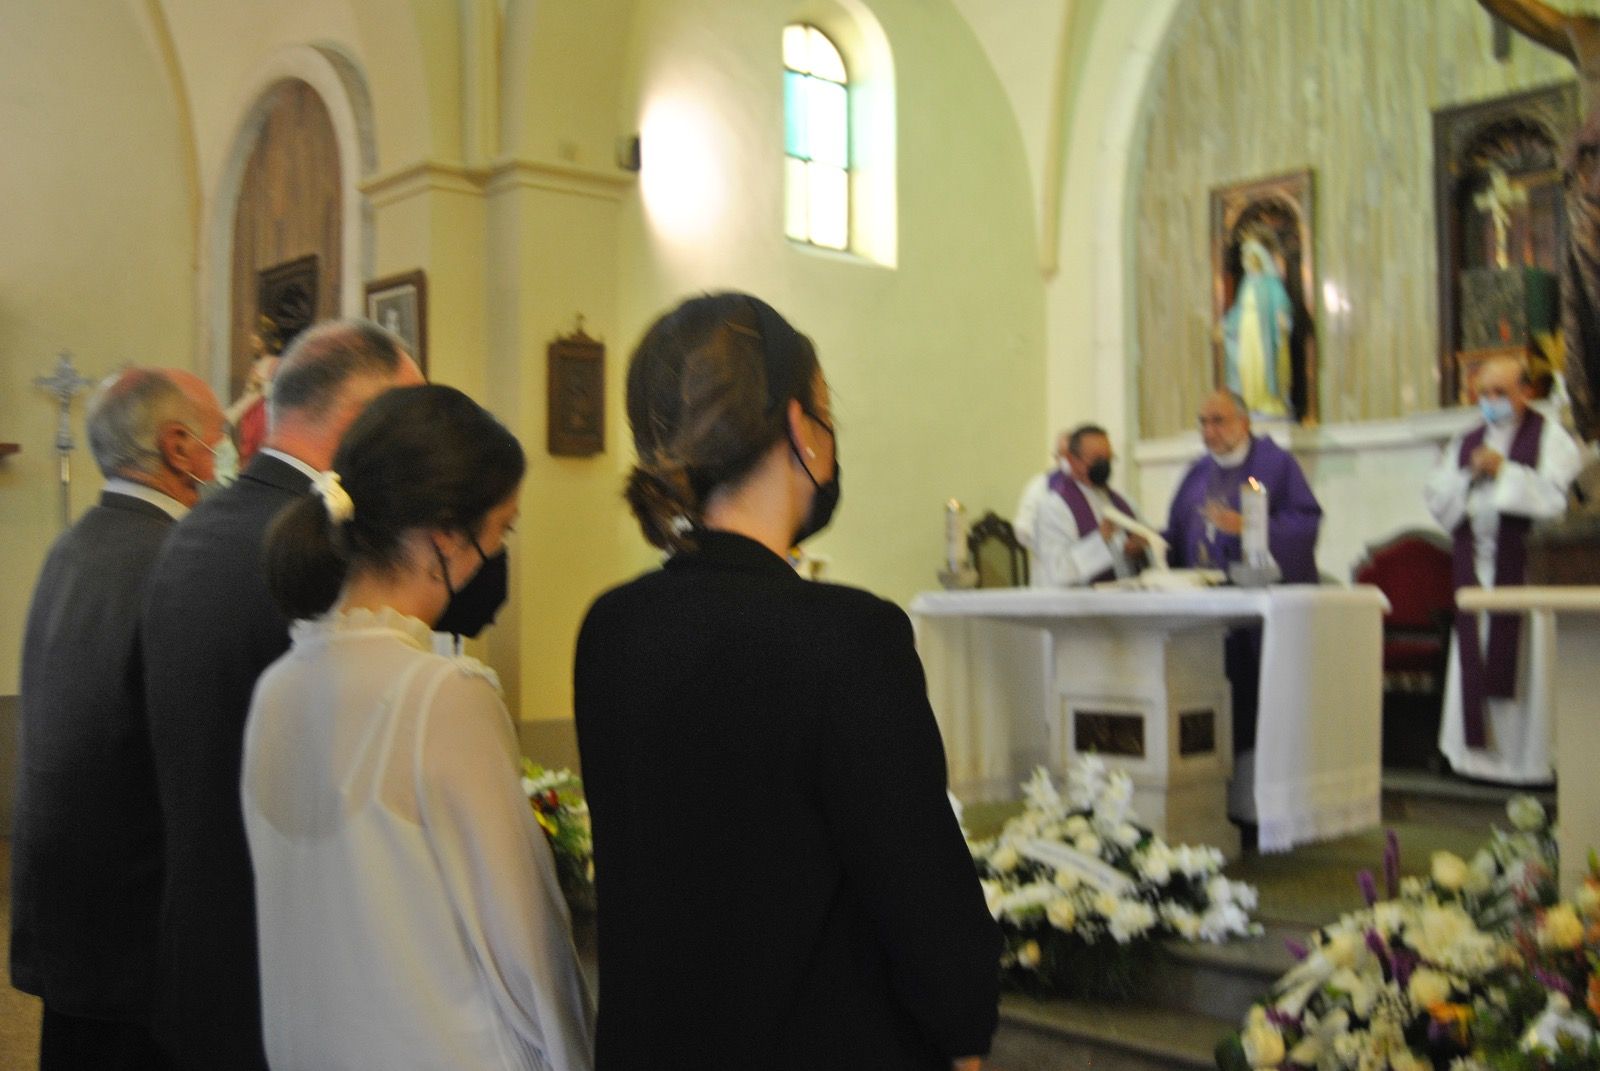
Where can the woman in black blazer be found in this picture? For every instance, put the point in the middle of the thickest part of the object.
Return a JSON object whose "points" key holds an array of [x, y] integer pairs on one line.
{"points": [[781, 880]]}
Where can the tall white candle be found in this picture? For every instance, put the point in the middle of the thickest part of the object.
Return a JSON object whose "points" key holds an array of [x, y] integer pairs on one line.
{"points": [[1253, 509], [955, 536]]}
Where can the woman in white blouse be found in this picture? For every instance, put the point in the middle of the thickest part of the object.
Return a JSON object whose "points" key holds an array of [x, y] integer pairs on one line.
{"points": [[407, 903]]}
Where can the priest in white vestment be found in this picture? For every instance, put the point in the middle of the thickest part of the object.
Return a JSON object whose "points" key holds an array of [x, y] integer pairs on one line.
{"points": [[1489, 486], [1075, 542]]}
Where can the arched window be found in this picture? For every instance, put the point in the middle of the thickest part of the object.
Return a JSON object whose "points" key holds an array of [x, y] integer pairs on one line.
{"points": [[816, 144]]}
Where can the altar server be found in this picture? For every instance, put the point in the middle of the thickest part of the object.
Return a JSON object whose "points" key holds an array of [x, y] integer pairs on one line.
{"points": [[1488, 488], [1076, 541], [86, 838]]}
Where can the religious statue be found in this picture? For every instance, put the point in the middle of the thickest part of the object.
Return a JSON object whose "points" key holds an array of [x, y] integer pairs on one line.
{"points": [[1255, 334], [1576, 37]]}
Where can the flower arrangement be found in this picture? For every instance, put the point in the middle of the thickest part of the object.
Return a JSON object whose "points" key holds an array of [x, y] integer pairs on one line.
{"points": [[558, 805], [1084, 895], [1476, 967]]}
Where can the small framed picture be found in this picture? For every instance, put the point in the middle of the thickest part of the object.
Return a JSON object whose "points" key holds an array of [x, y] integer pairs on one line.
{"points": [[400, 304]]}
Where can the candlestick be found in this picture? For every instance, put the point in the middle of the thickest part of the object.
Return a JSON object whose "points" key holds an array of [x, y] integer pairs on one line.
{"points": [[955, 536]]}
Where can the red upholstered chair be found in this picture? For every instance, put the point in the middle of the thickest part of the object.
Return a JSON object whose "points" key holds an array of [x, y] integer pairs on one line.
{"points": [[1412, 569]]}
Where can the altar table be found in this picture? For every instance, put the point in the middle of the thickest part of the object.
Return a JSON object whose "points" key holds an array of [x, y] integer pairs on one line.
{"points": [[1022, 677], [1572, 616]]}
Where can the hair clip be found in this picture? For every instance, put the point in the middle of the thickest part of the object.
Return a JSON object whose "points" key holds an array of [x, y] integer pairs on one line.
{"points": [[335, 499]]}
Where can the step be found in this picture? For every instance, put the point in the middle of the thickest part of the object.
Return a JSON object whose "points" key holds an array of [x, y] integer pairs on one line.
{"points": [[1042, 1035], [1222, 981]]}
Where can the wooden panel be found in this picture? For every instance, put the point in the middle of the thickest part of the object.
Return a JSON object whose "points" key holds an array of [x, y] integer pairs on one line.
{"points": [[289, 207]]}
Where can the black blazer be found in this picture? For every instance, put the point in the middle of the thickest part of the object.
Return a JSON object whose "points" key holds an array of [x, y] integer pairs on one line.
{"points": [[86, 834], [210, 628], [781, 880]]}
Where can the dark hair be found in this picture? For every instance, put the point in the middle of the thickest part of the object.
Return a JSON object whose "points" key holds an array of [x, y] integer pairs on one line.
{"points": [[1080, 433], [707, 391], [417, 457], [324, 357]]}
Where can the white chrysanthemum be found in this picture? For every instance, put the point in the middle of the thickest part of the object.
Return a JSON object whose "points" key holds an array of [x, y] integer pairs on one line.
{"points": [[1155, 867], [1130, 919], [1085, 781], [1062, 913], [1428, 987], [1075, 826], [1127, 834], [1040, 792], [1088, 844], [1027, 899]]}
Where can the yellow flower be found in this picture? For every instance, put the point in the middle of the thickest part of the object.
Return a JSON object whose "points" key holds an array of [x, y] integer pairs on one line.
{"points": [[1560, 928]]}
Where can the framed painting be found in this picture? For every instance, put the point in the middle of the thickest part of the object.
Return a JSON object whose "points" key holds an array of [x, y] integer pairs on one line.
{"points": [[577, 395], [1263, 291], [400, 304]]}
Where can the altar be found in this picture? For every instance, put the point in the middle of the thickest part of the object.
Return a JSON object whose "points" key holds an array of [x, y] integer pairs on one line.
{"points": [[1026, 677]]}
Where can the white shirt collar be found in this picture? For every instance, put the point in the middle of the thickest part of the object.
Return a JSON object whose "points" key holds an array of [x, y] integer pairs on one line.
{"points": [[291, 460], [171, 506]]}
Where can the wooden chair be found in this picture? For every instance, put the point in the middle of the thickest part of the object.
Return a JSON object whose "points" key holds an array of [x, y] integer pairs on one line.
{"points": [[1413, 570], [1001, 561]]}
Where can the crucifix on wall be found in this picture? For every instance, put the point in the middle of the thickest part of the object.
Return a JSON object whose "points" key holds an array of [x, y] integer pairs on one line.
{"points": [[1498, 199]]}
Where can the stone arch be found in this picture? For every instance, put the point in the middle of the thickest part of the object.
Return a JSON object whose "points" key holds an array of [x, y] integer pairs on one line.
{"points": [[342, 89]]}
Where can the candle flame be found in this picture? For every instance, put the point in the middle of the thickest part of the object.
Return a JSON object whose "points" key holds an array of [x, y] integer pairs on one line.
{"points": [[1255, 485], [953, 506]]}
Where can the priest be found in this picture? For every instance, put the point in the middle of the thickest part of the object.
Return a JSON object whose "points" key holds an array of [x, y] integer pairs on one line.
{"points": [[1076, 541], [1204, 525], [1488, 488]]}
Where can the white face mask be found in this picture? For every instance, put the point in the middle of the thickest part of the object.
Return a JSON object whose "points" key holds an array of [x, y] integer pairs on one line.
{"points": [[1233, 458], [225, 463]]}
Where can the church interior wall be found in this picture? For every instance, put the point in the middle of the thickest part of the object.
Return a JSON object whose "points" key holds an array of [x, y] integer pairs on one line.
{"points": [[1252, 88], [101, 213]]}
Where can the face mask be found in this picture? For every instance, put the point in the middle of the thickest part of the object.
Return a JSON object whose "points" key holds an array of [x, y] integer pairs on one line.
{"points": [[226, 462], [826, 499], [1496, 411], [1100, 472], [473, 608]]}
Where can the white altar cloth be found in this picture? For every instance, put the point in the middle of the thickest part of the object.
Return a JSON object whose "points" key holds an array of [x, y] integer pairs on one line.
{"points": [[992, 660]]}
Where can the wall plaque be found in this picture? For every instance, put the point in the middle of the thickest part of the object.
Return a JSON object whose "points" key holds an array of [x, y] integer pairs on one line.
{"points": [[1197, 732], [1108, 732], [577, 395]]}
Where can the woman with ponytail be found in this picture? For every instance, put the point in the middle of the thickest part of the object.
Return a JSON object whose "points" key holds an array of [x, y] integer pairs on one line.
{"points": [[407, 904], [781, 881]]}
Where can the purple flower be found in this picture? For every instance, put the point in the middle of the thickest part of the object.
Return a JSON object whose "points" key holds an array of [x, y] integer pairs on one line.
{"points": [[1405, 962], [1369, 887], [1391, 864], [1296, 949], [1552, 980], [1281, 1019]]}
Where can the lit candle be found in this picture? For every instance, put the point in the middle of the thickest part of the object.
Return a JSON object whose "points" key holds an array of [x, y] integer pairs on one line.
{"points": [[955, 536], [1253, 510]]}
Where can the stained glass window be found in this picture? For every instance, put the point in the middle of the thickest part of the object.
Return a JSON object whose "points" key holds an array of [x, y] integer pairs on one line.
{"points": [[816, 139]]}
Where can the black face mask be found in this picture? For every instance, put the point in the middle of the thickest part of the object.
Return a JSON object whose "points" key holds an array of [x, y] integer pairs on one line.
{"points": [[473, 608], [826, 500], [1100, 472]]}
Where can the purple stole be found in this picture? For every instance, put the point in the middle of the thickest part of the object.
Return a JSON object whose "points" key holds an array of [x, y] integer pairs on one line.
{"points": [[1082, 511], [1496, 675]]}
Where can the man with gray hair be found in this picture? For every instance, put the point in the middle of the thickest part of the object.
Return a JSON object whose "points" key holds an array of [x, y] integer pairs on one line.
{"points": [[86, 838], [210, 629]]}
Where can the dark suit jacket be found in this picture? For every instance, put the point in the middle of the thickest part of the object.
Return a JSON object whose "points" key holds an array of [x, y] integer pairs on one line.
{"points": [[210, 628], [86, 838], [781, 880]]}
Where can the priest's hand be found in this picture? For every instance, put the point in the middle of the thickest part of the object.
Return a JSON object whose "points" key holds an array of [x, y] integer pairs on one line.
{"points": [[1108, 531], [1223, 519], [1485, 461]]}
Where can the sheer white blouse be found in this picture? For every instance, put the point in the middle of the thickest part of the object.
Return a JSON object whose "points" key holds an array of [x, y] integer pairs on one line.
{"points": [[407, 903]]}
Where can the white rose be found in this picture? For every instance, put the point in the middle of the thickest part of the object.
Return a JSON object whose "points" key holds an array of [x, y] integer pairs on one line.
{"points": [[1526, 813], [1062, 913], [1429, 987], [1449, 871], [1005, 859], [1262, 1042]]}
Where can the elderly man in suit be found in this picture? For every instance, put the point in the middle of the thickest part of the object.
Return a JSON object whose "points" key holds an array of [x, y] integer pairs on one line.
{"points": [[210, 629], [86, 840]]}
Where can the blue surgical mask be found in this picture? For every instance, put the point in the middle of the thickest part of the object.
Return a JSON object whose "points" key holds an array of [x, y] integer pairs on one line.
{"points": [[1496, 411]]}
